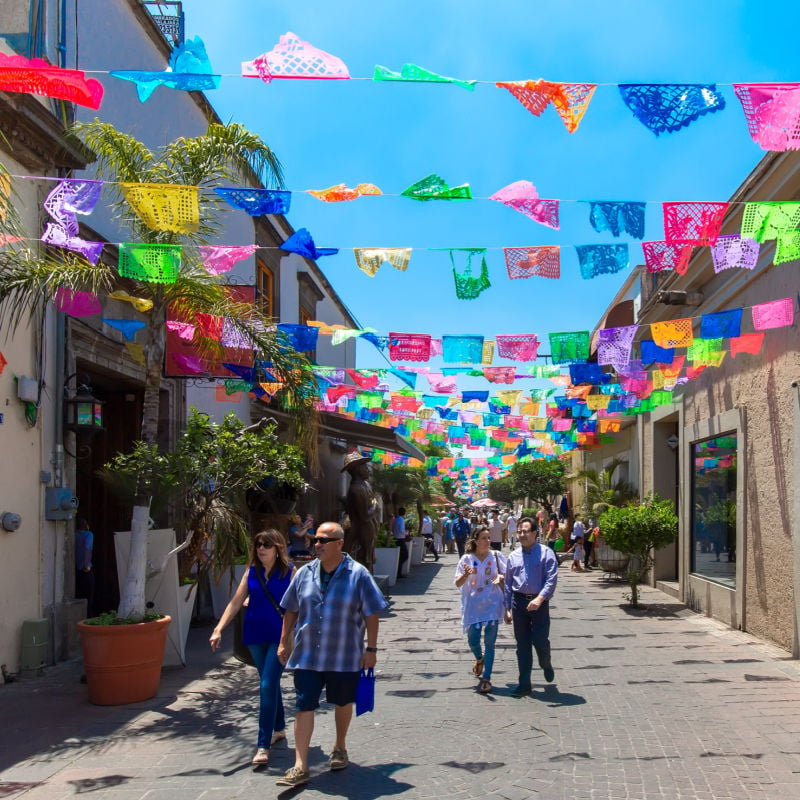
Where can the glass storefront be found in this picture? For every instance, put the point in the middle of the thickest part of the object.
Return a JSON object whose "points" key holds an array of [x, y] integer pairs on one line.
{"points": [[714, 509]]}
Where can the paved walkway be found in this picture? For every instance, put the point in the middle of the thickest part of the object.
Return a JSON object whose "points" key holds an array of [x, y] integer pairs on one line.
{"points": [[655, 704]]}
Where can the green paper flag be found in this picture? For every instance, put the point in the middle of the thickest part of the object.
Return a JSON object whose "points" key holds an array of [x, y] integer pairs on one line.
{"points": [[468, 287], [435, 188], [154, 263], [411, 72], [570, 347], [764, 221]]}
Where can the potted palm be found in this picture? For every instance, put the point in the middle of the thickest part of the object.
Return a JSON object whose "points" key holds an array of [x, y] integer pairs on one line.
{"points": [[29, 279]]}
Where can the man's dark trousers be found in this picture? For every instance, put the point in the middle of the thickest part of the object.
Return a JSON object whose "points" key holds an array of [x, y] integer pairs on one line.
{"points": [[532, 632]]}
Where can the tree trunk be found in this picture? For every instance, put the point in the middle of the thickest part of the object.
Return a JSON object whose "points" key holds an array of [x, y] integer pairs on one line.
{"points": [[132, 602]]}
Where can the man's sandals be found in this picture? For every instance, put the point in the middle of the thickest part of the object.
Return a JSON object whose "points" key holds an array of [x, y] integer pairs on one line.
{"points": [[485, 686], [477, 668]]}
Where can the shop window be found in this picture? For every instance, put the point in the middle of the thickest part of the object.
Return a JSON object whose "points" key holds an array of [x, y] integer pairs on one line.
{"points": [[265, 289], [714, 477]]}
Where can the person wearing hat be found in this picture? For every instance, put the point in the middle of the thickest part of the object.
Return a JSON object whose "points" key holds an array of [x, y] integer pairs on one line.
{"points": [[362, 508]]}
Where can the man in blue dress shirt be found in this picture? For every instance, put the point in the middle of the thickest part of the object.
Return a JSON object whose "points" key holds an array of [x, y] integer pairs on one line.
{"points": [[531, 576]]}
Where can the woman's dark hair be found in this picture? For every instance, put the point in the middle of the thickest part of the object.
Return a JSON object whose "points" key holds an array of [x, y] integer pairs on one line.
{"points": [[472, 542], [281, 553]]}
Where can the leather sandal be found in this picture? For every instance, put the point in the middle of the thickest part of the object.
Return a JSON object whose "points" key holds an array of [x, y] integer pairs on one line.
{"points": [[477, 668], [485, 686]]}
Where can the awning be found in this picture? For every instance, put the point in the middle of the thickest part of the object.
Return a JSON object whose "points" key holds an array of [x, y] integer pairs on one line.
{"points": [[353, 431]]}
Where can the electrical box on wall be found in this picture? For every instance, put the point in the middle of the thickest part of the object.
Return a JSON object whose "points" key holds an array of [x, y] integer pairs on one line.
{"points": [[59, 503], [27, 389]]}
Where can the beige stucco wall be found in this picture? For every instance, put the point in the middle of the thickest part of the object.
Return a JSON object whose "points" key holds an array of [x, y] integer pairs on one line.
{"points": [[760, 386]]}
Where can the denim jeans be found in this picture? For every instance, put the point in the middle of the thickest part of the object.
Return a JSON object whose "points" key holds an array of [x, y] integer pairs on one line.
{"points": [[532, 631], [461, 544], [489, 638], [270, 715]]}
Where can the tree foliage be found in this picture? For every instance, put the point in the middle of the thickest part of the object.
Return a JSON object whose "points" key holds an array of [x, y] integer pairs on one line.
{"points": [[503, 490], [603, 492], [639, 531], [540, 481]]}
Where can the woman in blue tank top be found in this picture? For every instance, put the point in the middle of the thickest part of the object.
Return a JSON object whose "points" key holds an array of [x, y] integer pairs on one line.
{"points": [[263, 587]]}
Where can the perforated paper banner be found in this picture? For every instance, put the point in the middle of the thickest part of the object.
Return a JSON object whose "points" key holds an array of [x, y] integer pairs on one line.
{"points": [[184, 330], [77, 303], [467, 349], [136, 352], [164, 207], [528, 262], [723, 324], [153, 263], [411, 72], [127, 327], [189, 70], [500, 374], [469, 286], [68, 198], [706, 352], [614, 345], [434, 187], [773, 113], [256, 202], [665, 108], [300, 242], [523, 197], [746, 343], [218, 259], [509, 397], [302, 338], [667, 255], [369, 260], [341, 193], [518, 347], [409, 346], [569, 99], [569, 347], [693, 222], [488, 351], [601, 259], [734, 252], [776, 314], [674, 333], [617, 217], [36, 76], [293, 58], [444, 384], [141, 304], [788, 247]]}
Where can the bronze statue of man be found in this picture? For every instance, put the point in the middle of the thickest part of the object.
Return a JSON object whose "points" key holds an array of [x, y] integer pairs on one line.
{"points": [[362, 508]]}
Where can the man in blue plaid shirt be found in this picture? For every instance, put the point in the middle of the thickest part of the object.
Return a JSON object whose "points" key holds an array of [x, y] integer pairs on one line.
{"points": [[329, 605]]}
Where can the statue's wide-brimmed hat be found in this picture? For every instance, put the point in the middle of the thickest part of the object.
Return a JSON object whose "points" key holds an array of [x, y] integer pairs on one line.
{"points": [[353, 457]]}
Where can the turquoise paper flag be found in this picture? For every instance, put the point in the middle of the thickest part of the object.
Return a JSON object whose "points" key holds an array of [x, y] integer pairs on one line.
{"points": [[413, 73]]}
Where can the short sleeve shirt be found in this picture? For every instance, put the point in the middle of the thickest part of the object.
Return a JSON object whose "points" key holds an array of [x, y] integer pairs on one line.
{"points": [[329, 634]]}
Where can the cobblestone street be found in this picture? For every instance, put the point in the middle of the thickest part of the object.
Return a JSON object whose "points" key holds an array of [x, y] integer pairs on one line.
{"points": [[658, 703]]}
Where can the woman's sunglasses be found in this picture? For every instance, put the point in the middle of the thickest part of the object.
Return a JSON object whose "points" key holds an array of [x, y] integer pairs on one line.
{"points": [[267, 545]]}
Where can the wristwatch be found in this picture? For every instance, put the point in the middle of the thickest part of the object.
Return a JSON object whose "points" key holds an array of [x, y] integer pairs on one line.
{"points": [[371, 649]]}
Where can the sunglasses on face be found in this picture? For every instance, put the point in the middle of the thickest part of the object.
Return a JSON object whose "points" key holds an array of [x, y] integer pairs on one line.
{"points": [[266, 545], [325, 539]]}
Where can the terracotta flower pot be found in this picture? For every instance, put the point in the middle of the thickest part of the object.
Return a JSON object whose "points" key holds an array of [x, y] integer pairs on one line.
{"points": [[123, 662]]}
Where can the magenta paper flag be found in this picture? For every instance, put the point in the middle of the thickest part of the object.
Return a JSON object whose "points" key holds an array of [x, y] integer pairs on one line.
{"points": [[773, 113], [693, 222], [76, 303], [777, 314], [437, 347], [500, 374], [732, 251], [184, 330], [294, 58], [219, 259], [666, 255], [189, 364], [523, 197], [409, 346], [521, 347]]}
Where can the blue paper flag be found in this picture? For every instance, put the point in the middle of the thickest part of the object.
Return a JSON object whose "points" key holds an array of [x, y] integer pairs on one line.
{"points": [[301, 337], [127, 327], [257, 202], [301, 242], [468, 397], [601, 259], [618, 218], [468, 349], [409, 378], [722, 325], [665, 108], [189, 70], [585, 373], [652, 353], [245, 373]]}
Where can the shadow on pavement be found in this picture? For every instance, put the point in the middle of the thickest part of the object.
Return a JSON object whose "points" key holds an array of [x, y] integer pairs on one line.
{"points": [[356, 782]]}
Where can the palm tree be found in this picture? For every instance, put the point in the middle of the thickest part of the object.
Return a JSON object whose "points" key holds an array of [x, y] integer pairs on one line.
{"points": [[29, 279], [603, 492]]}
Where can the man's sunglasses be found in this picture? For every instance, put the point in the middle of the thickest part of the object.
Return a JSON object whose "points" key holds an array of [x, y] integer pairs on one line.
{"points": [[267, 545], [325, 539]]}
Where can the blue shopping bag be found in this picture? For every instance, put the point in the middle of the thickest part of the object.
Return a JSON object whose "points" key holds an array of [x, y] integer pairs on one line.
{"points": [[365, 693]]}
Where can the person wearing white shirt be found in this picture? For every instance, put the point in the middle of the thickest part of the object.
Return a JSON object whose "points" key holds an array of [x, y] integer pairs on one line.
{"points": [[511, 529], [496, 531]]}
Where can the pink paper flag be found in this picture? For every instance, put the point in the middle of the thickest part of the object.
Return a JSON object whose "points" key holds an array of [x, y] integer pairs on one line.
{"points": [[294, 58], [441, 384], [184, 329], [191, 365], [436, 347], [777, 314], [522, 347], [76, 303], [217, 260], [523, 197], [773, 113], [500, 374], [693, 222]]}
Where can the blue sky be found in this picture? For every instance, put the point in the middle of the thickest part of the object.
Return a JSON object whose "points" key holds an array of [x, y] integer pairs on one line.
{"points": [[329, 132]]}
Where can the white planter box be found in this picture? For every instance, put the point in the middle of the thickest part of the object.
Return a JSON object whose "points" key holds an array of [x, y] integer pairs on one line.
{"points": [[386, 560], [417, 550]]}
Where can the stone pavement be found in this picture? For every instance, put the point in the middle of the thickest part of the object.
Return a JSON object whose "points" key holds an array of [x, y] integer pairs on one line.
{"points": [[661, 703]]}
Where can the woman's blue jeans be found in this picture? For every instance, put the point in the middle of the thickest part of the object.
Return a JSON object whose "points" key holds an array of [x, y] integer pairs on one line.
{"points": [[270, 715], [489, 638]]}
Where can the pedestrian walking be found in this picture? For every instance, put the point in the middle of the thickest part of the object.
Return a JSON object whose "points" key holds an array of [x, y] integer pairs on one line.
{"points": [[479, 575], [511, 529], [530, 580], [578, 554], [330, 604], [400, 535], [426, 529], [496, 531], [263, 586], [461, 531]]}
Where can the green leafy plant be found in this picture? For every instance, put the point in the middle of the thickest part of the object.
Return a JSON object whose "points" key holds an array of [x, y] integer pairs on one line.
{"points": [[639, 531], [111, 618], [603, 492], [539, 481], [503, 490]]}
